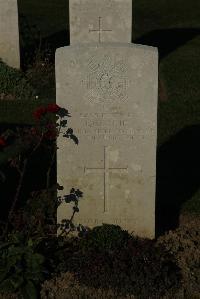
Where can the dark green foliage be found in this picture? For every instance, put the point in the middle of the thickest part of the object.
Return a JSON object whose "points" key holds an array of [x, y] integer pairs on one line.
{"points": [[67, 226], [105, 238], [13, 84], [13, 147], [21, 267], [41, 74], [69, 134]]}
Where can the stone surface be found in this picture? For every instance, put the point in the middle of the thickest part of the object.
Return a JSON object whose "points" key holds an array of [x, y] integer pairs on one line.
{"points": [[100, 21], [9, 33], [111, 92]]}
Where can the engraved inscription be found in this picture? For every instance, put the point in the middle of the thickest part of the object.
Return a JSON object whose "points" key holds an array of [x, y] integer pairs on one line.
{"points": [[112, 126], [104, 115], [107, 79], [100, 30], [115, 221], [106, 170]]}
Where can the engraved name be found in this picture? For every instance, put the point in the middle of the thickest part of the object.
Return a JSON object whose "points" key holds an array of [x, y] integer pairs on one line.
{"points": [[115, 221]]}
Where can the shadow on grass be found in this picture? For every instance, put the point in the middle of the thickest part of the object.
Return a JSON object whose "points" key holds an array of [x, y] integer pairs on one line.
{"points": [[51, 43], [178, 178], [168, 40], [34, 37]]}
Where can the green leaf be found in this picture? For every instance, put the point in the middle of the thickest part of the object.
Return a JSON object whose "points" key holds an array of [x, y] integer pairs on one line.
{"points": [[40, 258], [74, 138], [29, 291], [16, 281], [6, 286], [3, 246], [63, 123], [63, 112], [30, 242]]}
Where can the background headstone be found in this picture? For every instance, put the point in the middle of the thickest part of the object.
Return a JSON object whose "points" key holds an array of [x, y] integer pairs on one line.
{"points": [[9, 33], [100, 21], [111, 92]]}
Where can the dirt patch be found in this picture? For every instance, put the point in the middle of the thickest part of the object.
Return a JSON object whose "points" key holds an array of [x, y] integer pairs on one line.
{"points": [[184, 244], [67, 287], [9, 97]]}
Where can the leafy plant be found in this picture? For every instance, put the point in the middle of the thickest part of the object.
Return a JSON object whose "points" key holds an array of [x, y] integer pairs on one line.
{"points": [[41, 74], [14, 85], [66, 226], [29, 140], [21, 267], [105, 238]]}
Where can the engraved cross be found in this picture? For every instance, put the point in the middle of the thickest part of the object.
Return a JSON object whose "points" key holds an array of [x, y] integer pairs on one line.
{"points": [[99, 30], [105, 170]]}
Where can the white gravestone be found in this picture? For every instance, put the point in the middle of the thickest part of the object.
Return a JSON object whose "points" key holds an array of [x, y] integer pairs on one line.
{"points": [[89, 19], [110, 89], [9, 33]]}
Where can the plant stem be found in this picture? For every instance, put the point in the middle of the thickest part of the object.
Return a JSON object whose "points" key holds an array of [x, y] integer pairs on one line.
{"points": [[49, 170], [71, 219], [21, 173], [52, 161], [16, 195], [18, 189]]}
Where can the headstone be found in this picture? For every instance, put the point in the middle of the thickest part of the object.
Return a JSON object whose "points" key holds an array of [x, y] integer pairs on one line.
{"points": [[110, 89], [100, 21], [9, 33]]}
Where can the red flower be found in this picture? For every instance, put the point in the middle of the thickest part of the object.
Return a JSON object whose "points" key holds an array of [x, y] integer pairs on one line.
{"points": [[53, 108], [2, 142], [51, 132], [38, 113]]}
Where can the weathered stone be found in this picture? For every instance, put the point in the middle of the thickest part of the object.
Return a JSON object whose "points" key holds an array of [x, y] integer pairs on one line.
{"points": [[111, 92], [100, 21], [9, 33]]}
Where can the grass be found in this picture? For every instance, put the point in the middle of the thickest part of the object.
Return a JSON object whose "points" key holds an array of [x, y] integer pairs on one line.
{"points": [[162, 14], [180, 70], [50, 16], [171, 26], [192, 206]]}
